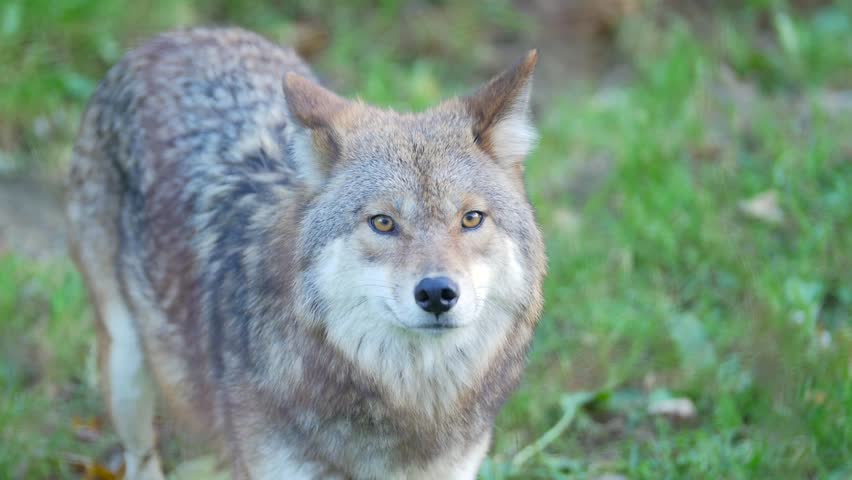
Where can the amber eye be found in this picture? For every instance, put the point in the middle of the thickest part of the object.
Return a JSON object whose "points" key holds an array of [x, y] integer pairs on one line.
{"points": [[472, 219], [382, 223]]}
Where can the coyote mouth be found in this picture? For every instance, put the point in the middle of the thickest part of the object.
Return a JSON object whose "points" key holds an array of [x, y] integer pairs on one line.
{"points": [[436, 327]]}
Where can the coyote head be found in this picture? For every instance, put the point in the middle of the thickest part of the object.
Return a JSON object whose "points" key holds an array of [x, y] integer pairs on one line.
{"points": [[418, 231]]}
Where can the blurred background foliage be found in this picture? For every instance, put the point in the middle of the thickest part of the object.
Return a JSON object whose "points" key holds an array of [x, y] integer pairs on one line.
{"points": [[694, 181]]}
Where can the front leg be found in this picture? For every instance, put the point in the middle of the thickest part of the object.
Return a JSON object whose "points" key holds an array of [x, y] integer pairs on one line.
{"points": [[273, 460], [281, 462], [271, 457], [455, 465]]}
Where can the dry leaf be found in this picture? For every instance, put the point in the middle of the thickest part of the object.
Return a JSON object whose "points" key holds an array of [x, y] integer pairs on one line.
{"points": [[96, 471], [92, 470], [763, 207], [680, 408], [86, 429], [201, 468]]}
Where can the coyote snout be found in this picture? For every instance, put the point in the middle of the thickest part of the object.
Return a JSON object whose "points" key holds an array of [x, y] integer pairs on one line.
{"points": [[323, 288], [436, 295]]}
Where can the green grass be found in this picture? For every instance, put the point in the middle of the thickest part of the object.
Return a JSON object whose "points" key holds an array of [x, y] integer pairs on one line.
{"points": [[659, 285], [46, 339]]}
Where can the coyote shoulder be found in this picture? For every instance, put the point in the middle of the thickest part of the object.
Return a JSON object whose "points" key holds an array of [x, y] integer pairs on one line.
{"points": [[319, 287]]}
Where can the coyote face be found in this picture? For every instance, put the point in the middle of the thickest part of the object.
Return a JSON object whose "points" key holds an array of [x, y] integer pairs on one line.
{"points": [[417, 246], [416, 238]]}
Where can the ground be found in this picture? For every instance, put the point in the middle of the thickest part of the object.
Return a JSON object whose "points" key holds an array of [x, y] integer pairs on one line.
{"points": [[694, 182]]}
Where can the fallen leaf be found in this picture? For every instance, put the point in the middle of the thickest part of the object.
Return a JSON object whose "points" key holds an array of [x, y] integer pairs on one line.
{"points": [[764, 207], [677, 408], [87, 430], [202, 468], [96, 471], [92, 470]]}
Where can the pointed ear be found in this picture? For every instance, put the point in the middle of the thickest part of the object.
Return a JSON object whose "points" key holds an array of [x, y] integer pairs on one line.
{"points": [[314, 110], [500, 112], [310, 104]]}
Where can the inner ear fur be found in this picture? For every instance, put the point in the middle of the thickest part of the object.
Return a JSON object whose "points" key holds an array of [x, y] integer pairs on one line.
{"points": [[315, 109], [500, 113], [310, 104]]}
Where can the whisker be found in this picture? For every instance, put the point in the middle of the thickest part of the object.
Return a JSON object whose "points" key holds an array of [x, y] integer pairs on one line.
{"points": [[375, 286], [500, 306]]}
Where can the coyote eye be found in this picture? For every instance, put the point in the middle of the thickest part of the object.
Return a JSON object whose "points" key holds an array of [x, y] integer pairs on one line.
{"points": [[382, 224], [472, 219]]}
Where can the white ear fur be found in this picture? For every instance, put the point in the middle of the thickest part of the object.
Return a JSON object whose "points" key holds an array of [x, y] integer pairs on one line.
{"points": [[305, 155], [513, 136], [501, 116], [314, 136]]}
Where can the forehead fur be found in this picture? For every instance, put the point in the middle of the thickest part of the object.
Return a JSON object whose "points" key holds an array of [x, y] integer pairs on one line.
{"points": [[444, 128], [429, 160], [431, 155]]}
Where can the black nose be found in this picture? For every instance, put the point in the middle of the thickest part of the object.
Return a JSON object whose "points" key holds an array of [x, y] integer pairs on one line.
{"points": [[436, 295]]}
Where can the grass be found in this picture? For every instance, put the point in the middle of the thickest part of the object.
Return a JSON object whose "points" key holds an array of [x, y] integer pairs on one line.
{"points": [[660, 285]]}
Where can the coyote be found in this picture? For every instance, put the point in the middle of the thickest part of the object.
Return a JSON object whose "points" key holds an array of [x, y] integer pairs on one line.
{"points": [[319, 287]]}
